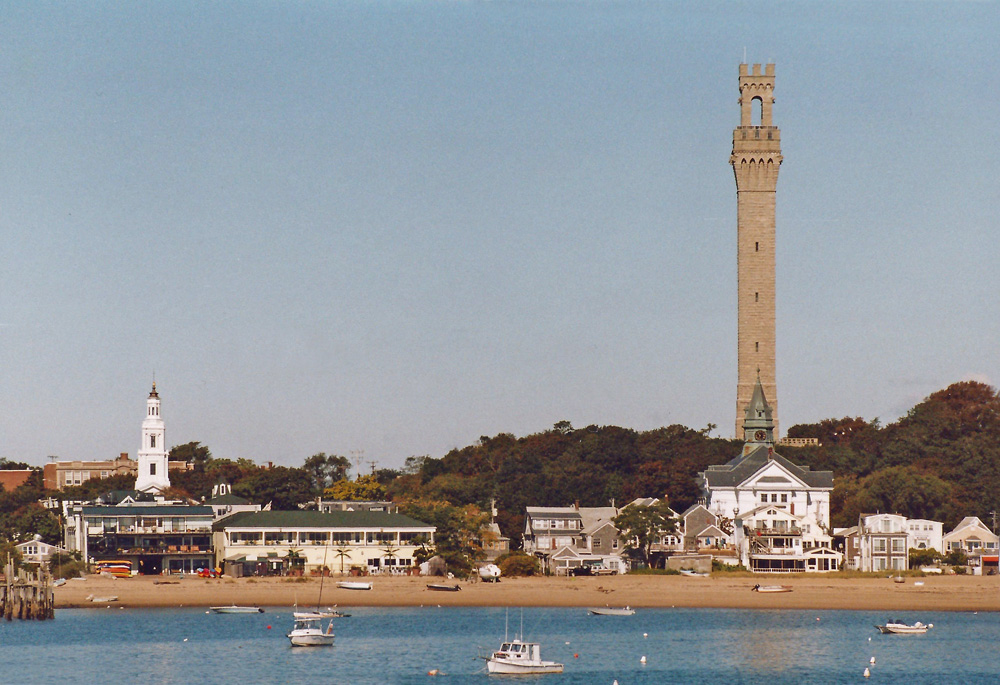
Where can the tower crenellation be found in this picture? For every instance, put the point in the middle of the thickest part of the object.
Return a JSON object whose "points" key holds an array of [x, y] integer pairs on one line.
{"points": [[756, 158]]}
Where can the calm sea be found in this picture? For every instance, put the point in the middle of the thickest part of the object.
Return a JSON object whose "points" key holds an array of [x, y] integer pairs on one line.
{"points": [[401, 645]]}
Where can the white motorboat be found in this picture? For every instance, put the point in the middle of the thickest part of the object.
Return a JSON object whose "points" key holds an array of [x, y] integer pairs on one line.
{"points": [[520, 658], [611, 611], [236, 609], [691, 573], [354, 585], [490, 573], [771, 588], [308, 632], [900, 628]]}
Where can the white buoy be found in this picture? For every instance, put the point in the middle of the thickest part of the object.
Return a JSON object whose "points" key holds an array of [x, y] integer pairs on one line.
{"points": [[868, 674], [642, 660], [930, 625], [645, 634], [872, 661], [185, 639]]}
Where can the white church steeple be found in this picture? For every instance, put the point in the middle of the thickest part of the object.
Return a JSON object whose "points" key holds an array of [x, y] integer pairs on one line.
{"points": [[153, 452]]}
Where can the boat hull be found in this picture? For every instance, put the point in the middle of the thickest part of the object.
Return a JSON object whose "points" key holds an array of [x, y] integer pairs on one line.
{"points": [[237, 610], [311, 640], [625, 611], [502, 667], [351, 585]]}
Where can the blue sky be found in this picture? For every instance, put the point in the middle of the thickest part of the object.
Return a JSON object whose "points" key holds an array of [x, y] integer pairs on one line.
{"points": [[393, 227]]}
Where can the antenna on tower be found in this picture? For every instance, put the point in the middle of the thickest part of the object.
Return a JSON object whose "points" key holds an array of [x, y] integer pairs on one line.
{"points": [[371, 463], [357, 456]]}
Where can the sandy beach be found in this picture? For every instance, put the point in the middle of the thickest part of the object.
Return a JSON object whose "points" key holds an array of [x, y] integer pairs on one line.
{"points": [[938, 593]]}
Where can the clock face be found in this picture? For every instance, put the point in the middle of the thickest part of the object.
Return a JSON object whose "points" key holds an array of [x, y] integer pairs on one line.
{"points": [[760, 435]]}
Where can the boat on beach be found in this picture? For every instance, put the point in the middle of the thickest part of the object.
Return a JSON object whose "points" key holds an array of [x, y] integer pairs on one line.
{"points": [[691, 573], [237, 609], [443, 588], [354, 585], [489, 573], [900, 628], [611, 611], [771, 588], [308, 632]]}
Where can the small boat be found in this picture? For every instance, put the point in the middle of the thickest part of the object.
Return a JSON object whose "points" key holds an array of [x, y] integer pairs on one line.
{"points": [[354, 585], [236, 609], [900, 628], [771, 588], [102, 600], [490, 573], [611, 611], [898, 579], [329, 612], [308, 632], [520, 658], [443, 588], [693, 574]]}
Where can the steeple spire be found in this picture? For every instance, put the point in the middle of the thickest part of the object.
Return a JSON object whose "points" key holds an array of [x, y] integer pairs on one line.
{"points": [[152, 457], [758, 423]]}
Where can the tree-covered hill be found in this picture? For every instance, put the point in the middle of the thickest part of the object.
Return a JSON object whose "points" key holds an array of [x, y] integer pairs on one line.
{"points": [[940, 461]]}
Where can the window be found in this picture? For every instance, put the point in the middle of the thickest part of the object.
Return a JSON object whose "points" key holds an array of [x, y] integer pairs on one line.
{"points": [[756, 347], [756, 247], [152, 441], [878, 545], [152, 469], [897, 545], [763, 497], [784, 497]]}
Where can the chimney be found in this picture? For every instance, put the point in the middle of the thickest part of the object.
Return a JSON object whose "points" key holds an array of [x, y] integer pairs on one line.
{"points": [[576, 505]]}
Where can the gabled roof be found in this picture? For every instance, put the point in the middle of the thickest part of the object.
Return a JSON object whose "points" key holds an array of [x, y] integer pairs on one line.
{"points": [[318, 519], [714, 531], [743, 467], [968, 525], [763, 508], [598, 525], [693, 508]]}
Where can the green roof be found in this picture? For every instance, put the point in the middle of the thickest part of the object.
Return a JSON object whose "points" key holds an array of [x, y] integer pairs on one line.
{"points": [[317, 519], [149, 510]]}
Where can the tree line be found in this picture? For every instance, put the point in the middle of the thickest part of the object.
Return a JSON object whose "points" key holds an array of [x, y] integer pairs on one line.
{"points": [[941, 461]]}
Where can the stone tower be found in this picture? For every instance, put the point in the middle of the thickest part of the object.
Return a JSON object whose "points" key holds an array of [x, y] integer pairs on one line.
{"points": [[755, 159], [152, 468]]}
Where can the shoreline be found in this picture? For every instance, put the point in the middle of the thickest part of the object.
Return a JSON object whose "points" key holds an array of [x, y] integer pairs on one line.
{"points": [[815, 591]]}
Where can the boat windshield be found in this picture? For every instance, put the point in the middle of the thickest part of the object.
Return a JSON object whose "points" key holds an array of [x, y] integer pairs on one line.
{"points": [[505, 647]]}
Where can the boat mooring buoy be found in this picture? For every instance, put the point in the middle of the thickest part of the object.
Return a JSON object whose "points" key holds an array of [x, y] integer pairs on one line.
{"points": [[872, 661], [868, 673], [642, 660]]}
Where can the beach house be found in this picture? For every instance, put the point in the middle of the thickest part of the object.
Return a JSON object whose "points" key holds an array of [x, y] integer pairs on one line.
{"points": [[563, 538], [277, 542]]}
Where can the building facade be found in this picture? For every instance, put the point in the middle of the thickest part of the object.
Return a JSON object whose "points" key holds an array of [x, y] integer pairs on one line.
{"points": [[60, 474], [780, 511], [755, 159], [369, 541], [566, 537], [156, 538]]}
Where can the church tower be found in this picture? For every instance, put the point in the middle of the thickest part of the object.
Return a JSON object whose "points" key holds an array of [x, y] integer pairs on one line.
{"points": [[153, 452], [755, 159]]}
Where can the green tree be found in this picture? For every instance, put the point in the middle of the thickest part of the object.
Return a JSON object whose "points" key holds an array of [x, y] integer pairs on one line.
{"points": [[518, 564], [285, 488], [326, 469], [641, 526], [192, 452]]}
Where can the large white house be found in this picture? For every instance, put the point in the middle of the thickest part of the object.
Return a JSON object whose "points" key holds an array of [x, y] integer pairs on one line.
{"points": [[780, 510]]}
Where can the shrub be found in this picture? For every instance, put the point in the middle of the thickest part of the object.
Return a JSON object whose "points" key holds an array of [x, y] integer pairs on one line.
{"points": [[518, 564]]}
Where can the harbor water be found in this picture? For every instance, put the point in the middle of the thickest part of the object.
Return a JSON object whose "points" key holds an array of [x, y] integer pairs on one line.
{"points": [[402, 645]]}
